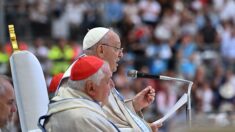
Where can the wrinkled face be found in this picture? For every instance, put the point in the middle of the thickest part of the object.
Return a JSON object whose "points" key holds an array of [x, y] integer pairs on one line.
{"points": [[104, 88], [112, 51], [7, 105]]}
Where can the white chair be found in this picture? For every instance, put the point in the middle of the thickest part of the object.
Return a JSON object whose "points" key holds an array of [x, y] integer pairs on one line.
{"points": [[30, 89]]}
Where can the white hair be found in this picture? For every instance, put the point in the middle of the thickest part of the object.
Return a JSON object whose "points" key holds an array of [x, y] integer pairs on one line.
{"points": [[3, 86], [95, 78]]}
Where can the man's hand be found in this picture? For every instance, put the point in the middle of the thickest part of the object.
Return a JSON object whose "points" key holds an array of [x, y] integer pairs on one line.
{"points": [[143, 98], [155, 127]]}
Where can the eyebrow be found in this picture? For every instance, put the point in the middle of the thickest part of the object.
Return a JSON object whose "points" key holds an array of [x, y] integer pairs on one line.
{"points": [[119, 48]]}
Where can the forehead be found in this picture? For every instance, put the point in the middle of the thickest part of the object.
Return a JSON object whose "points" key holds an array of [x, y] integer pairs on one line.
{"points": [[114, 39], [6, 90]]}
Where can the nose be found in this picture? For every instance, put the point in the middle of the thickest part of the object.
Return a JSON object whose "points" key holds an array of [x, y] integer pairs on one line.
{"points": [[120, 55], [13, 108]]}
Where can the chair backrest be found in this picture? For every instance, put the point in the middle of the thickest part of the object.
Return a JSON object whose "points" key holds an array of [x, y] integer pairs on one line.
{"points": [[30, 89]]}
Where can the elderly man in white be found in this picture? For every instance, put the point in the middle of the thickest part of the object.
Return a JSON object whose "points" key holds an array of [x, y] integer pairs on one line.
{"points": [[78, 108]]}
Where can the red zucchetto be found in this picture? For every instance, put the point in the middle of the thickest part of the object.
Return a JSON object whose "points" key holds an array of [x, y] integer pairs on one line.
{"points": [[84, 67], [55, 81]]}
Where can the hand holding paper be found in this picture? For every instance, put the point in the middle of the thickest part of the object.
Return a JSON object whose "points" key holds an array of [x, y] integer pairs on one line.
{"points": [[178, 104]]}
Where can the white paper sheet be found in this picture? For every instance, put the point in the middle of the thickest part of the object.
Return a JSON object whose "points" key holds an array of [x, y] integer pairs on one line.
{"points": [[178, 104]]}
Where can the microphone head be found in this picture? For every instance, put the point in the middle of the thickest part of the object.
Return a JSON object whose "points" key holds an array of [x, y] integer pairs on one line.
{"points": [[132, 73]]}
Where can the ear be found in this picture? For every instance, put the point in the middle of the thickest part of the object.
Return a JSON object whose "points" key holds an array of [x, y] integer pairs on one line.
{"points": [[100, 51], [90, 88]]}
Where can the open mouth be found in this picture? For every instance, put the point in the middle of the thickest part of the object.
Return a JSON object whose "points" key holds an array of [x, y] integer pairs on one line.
{"points": [[117, 62]]}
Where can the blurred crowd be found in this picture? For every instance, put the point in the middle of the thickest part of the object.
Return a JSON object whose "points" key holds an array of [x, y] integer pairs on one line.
{"points": [[188, 39]]}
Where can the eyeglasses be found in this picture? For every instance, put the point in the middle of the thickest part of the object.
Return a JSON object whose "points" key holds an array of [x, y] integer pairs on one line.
{"points": [[115, 48]]}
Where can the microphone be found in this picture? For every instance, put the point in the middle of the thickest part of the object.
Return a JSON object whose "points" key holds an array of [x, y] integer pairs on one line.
{"points": [[136, 74]]}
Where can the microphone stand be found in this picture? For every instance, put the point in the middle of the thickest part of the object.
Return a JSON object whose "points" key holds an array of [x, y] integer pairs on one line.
{"points": [[188, 111]]}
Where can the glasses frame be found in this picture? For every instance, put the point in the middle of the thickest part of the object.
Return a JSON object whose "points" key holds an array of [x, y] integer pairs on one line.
{"points": [[115, 48]]}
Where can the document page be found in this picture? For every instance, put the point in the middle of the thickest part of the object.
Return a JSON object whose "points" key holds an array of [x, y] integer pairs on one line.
{"points": [[178, 104]]}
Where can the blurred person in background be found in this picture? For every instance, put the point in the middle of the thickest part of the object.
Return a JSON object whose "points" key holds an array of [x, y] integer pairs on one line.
{"points": [[227, 38], [149, 11], [186, 55], [218, 80], [205, 97], [4, 58], [113, 12], [74, 15], [40, 50], [39, 18], [61, 54], [199, 78], [131, 10], [227, 89]]}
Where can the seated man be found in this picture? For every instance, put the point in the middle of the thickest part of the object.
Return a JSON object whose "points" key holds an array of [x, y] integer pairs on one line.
{"points": [[7, 103], [105, 44], [78, 108]]}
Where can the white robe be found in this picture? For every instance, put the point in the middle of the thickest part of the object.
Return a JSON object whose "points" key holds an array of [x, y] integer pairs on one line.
{"points": [[74, 111], [117, 112]]}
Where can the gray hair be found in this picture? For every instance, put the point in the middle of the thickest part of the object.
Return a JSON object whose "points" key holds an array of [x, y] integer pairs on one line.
{"points": [[96, 78], [3, 80]]}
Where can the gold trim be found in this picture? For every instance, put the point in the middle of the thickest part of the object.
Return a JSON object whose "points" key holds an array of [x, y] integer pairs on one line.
{"points": [[13, 37]]}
